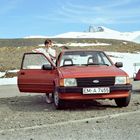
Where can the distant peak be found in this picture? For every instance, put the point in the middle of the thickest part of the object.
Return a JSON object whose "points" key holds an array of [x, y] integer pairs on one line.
{"points": [[36, 36], [99, 29]]}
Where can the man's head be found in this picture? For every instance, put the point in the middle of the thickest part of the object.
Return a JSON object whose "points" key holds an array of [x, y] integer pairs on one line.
{"points": [[48, 43]]}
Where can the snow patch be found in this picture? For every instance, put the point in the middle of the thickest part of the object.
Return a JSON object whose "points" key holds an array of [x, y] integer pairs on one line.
{"points": [[128, 60], [8, 81], [2, 74]]}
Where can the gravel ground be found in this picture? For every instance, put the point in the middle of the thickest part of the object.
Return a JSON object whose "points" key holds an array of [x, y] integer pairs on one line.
{"points": [[29, 116], [123, 126], [19, 112]]}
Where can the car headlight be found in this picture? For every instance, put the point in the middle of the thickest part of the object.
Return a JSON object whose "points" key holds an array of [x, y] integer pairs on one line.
{"points": [[68, 82], [122, 80]]}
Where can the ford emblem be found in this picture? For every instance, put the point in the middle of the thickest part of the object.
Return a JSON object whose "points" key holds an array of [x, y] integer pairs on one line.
{"points": [[95, 81]]}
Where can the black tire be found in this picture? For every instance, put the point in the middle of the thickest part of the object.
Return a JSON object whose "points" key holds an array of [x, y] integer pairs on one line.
{"points": [[123, 102], [58, 103]]}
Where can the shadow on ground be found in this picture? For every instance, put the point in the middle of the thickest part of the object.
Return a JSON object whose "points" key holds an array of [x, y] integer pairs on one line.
{"points": [[37, 103]]}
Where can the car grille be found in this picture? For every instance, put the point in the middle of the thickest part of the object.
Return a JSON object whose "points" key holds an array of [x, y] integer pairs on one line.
{"points": [[95, 82]]}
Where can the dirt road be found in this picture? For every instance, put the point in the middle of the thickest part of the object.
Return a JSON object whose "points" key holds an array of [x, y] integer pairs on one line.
{"points": [[30, 118]]}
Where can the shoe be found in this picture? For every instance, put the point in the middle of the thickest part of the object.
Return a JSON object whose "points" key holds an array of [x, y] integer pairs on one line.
{"points": [[49, 98]]}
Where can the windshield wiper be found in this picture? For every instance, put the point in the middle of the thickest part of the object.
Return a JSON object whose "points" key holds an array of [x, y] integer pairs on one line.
{"points": [[69, 65]]}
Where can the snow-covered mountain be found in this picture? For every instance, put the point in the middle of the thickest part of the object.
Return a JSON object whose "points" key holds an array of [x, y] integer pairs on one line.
{"points": [[105, 33], [36, 36], [101, 32]]}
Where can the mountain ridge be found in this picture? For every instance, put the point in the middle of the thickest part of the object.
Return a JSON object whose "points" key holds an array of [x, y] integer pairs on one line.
{"points": [[98, 32]]}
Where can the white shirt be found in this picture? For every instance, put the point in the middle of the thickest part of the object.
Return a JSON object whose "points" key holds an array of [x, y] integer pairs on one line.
{"points": [[50, 53]]}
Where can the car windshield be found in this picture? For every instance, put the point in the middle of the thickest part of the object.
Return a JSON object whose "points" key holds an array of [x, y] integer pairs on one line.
{"points": [[80, 58]]}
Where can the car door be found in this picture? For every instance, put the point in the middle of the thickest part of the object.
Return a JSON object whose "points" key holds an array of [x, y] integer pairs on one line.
{"points": [[32, 78]]}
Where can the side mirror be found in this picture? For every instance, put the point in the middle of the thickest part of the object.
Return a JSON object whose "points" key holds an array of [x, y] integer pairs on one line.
{"points": [[47, 67], [119, 64]]}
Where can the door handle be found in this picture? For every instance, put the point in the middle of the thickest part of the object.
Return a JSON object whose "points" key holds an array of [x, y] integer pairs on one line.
{"points": [[22, 73]]}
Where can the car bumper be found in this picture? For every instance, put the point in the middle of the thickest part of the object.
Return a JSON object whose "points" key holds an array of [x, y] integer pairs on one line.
{"points": [[76, 93]]}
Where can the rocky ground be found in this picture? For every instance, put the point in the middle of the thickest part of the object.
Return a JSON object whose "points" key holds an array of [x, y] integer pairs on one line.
{"points": [[28, 115], [29, 111]]}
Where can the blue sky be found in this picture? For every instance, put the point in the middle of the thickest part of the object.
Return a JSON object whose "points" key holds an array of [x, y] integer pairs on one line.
{"points": [[20, 18]]}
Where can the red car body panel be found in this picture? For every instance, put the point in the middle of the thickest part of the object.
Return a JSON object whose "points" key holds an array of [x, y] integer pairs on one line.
{"points": [[36, 80], [137, 77], [79, 96], [90, 71]]}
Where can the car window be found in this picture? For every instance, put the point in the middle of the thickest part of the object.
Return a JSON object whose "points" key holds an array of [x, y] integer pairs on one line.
{"points": [[104, 59], [80, 58], [34, 61]]}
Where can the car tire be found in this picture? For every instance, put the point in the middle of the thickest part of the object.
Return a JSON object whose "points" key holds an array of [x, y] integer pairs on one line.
{"points": [[58, 103], [123, 102]]}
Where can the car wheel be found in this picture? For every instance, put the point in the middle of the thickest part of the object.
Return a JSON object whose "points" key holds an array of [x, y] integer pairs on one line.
{"points": [[123, 102], [58, 103]]}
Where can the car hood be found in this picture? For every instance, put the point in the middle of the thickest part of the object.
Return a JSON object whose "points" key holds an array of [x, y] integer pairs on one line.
{"points": [[90, 71]]}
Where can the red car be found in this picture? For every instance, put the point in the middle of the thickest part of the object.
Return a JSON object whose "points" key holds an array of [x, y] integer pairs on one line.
{"points": [[77, 75], [137, 76]]}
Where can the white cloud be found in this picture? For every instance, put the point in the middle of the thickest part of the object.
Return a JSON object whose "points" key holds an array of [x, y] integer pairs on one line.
{"points": [[108, 13]]}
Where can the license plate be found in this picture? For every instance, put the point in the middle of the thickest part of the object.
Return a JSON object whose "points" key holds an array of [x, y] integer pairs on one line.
{"points": [[99, 90]]}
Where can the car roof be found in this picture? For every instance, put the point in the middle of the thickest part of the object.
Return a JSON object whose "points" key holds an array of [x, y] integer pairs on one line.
{"points": [[80, 50]]}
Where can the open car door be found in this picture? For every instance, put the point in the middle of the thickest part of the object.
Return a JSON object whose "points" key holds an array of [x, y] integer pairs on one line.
{"points": [[32, 77]]}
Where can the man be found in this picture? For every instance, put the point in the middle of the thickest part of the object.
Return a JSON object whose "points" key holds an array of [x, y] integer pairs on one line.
{"points": [[51, 54]]}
